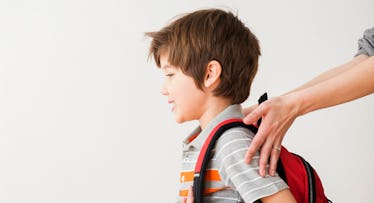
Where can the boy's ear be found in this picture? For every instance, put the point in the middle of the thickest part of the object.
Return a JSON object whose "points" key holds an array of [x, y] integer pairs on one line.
{"points": [[213, 72]]}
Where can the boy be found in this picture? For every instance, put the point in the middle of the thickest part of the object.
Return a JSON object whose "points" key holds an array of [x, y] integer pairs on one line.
{"points": [[209, 59]]}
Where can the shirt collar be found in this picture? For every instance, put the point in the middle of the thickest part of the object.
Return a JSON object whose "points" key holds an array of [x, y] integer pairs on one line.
{"points": [[232, 111]]}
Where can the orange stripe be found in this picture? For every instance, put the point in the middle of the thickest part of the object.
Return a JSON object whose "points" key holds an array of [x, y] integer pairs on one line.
{"points": [[184, 193], [186, 176], [210, 175], [190, 139]]}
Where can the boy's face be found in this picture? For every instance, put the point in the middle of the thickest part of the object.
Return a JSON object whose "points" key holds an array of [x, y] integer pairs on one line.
{"points": [[188, 101]]}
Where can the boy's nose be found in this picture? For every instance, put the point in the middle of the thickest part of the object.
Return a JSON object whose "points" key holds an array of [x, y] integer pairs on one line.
{"points": [[163, 91]]}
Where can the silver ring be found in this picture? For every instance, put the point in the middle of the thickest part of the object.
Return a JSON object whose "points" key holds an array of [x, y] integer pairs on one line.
{"points": [[277, 148]]}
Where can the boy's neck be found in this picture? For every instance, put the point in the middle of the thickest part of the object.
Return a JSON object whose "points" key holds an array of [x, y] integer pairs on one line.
{"points": [[214, 108]]}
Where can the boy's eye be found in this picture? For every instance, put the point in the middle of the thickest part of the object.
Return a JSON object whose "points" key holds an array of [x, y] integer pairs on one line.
{"points": [[169, 74]]}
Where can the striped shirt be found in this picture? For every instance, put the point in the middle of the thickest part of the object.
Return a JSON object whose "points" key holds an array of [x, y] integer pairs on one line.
{"points": [[228, 178]]}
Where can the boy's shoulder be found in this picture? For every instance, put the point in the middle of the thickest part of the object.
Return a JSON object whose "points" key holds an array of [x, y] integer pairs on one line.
{"points": [[235, 138]]}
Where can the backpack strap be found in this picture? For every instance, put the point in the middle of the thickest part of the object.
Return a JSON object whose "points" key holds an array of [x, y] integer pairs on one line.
{"points": [[263, 98], [205, 153]]}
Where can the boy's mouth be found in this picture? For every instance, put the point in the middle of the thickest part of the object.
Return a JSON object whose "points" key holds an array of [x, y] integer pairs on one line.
{"points": [[173, 105]]}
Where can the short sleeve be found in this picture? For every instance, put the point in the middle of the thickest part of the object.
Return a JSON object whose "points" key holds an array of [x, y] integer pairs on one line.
{"points": [[366, 43], [244, 178]]}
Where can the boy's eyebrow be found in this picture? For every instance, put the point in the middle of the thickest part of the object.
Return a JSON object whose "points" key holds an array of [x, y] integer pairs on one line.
{"points": [[167, 66]]}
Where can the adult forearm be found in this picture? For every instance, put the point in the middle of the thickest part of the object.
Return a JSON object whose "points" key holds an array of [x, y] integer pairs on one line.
{"points": [[332, 73], [351, 84]]}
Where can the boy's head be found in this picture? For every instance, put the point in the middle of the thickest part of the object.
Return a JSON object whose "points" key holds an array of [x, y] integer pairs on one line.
{"points": [[196, 39]]}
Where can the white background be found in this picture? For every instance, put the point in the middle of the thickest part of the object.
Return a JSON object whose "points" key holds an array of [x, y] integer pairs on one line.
{"points": [[82, 119]]}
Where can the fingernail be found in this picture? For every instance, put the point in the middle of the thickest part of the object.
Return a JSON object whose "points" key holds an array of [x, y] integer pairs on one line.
{"points": [[272, 172], [262, 173]]}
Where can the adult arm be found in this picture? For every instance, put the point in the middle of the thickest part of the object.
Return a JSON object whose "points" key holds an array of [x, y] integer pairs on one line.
{"points": [[332, 72], [349, 85], [339, 85]]}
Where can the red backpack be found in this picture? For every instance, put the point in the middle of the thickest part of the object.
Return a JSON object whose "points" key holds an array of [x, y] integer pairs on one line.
{"points": [[301, 178]]}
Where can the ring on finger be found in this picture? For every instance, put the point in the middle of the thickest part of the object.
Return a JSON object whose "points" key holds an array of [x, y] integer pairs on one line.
{"points": [[277, 148]]}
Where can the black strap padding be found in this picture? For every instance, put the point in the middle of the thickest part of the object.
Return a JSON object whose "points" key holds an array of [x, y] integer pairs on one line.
{"points": [[280, 170], [263, 98]]}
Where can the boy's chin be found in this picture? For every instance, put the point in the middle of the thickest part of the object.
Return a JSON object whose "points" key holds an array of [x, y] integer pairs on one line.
{"points": [[180, 120]]}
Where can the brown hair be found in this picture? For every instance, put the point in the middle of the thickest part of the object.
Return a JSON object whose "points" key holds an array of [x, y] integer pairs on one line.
{"points": [[195, 39]]}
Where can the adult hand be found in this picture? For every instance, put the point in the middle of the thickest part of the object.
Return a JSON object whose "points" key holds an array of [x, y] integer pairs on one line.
{"points": [[189, 198], [277, 115]]}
